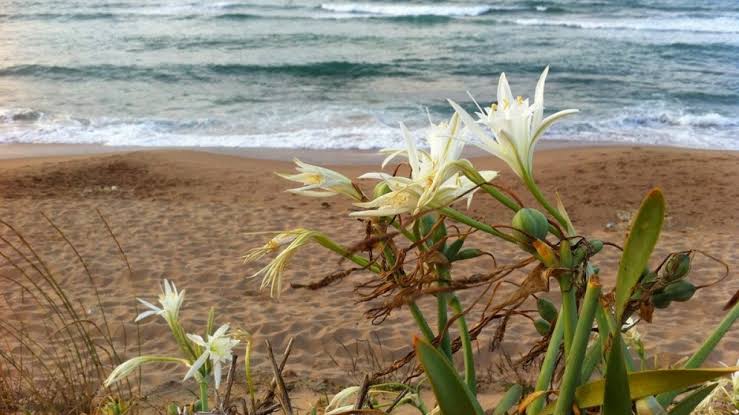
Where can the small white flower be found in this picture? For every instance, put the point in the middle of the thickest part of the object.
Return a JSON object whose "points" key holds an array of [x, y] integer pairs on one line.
{"points": [[290, 242], [515, 125], [218, 349], [321, 182], [171, 301]]}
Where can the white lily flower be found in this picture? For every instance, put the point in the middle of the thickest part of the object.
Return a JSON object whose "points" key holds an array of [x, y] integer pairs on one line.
{"points": [[321, 182], [218, 349], [171, 301], [280, 240], [515, 125], [436, 179], [290, 241]]}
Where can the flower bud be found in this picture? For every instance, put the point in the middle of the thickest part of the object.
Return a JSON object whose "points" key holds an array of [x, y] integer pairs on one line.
{"points": [[532, 222], [677, 266]]}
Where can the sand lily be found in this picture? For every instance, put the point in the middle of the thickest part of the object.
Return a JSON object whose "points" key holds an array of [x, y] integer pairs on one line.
{"points": [[515, 125], [436, 179], [171, 301], [218, 349], [289, 242], [321, 182]]}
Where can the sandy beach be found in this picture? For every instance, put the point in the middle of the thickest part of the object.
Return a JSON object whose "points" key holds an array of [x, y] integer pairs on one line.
{"points": [[189, 216]]}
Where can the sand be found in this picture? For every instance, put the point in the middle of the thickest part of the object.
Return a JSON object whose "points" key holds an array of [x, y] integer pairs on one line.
{"points": [[187, 216]]}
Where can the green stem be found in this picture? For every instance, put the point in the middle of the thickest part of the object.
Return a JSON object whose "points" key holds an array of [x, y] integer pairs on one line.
{"points": [[701, 354], [442, 299], [574, 360], [462, 218], [327, 242], [467, 352], [534, 189], [569, 310], [547, 366], [203, 396], [421, 322], [593, 356]]}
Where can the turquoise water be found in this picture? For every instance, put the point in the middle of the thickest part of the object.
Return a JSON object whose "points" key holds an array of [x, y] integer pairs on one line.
{"points": [[342, 75]]}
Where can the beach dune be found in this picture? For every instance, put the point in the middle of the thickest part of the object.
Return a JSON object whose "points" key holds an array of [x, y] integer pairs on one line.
{"points": [[189, 216]]}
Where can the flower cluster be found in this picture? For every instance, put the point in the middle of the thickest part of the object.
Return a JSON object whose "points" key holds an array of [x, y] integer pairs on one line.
{"points": [[197, 351], [438, 176]]}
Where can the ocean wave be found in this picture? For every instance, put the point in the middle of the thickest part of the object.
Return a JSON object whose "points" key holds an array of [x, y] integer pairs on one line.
{"points": [[406, 9], [344, 128], [174, 73], [706, 25]]}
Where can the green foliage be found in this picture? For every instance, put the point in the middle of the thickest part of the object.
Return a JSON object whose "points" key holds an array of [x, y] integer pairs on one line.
{"points": [[640, 242], [646, 383], [509, 400], [688, 404], [452, 395]]}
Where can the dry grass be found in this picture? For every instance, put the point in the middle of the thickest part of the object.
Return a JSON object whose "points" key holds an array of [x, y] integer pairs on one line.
{"points": [[53, 355]]}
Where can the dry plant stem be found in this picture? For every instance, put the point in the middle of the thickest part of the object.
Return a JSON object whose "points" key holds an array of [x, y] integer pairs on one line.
{"points": [[282, 397], [579, 346], [547, 366], [271, 391], [229, 383], [362, 394]]}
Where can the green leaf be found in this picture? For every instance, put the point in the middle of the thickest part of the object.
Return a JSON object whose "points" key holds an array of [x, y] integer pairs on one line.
{"points": [[646, 383], [616, 396], [511, 398], [686, 406], [452, 395], [639, 244]]}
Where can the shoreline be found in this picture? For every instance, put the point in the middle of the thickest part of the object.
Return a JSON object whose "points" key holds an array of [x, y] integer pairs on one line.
{"points": [[331, 157]]}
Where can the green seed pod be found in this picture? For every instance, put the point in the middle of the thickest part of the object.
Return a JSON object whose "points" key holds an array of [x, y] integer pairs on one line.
{"points": [[595, 246], [172, 409], [542, 326], [531, 221], [661, 300], [381, 189], [680, 291], [677, 267], [468, 253], [453, 249], [648, 278], [547, 310], [578, 255]]}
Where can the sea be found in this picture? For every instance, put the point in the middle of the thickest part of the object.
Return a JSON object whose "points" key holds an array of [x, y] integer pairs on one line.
{"points": [[342, 75]]}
